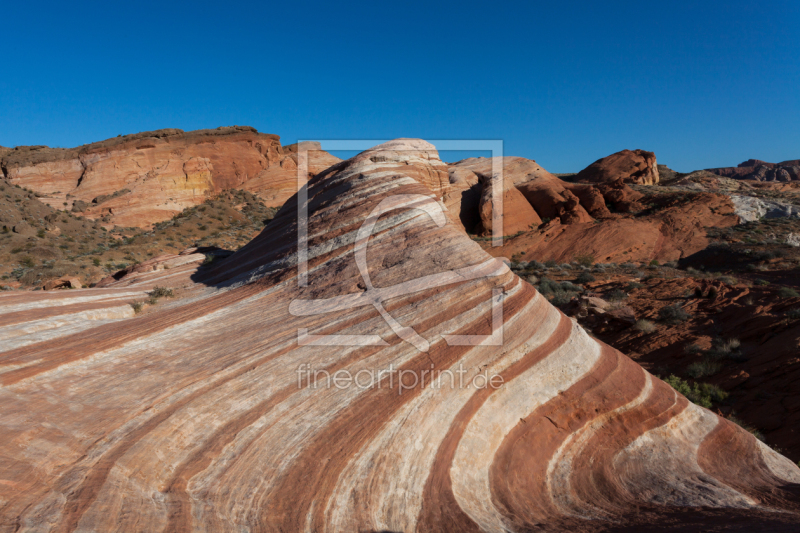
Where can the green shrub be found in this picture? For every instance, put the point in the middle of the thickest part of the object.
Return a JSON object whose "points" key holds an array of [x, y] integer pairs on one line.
{"points": [[27, 262], [788, 292], [96, 261], [762, 282], [654, 262], [137, 306], [40, 234], [562, 297], [673, 314], [584, 277], [703, 394], [793, 313]]}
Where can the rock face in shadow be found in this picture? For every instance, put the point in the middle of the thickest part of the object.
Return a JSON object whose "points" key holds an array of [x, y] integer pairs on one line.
{"points": [[632, 166], [213, 412], [137, 180]]}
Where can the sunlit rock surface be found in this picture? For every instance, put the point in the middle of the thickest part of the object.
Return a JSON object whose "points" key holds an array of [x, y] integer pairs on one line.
{"points": [[203, 414]]}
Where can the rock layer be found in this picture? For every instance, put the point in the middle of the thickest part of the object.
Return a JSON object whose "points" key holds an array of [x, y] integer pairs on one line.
{"points": [[214, 412], [137, 180]]}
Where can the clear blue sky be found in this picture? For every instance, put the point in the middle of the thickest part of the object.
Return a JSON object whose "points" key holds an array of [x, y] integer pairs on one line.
{"points": [[702, 84]]}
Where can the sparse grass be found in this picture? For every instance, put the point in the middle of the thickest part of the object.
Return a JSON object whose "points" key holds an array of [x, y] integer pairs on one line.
{"points": [[703, 368], [747, 427], [673, 314], [645, 326]]}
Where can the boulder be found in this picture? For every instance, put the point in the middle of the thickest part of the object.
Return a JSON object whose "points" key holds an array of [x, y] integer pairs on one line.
{"points": [[65, 282], [632, 166]]}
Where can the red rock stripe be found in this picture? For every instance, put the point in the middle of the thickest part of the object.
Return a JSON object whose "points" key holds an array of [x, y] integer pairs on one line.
{"points": [[742, 467], [440, 511], [315, 473], [593, 475], [518, 476]]}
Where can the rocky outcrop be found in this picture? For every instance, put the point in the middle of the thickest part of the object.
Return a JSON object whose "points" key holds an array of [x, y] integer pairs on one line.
{"points": [[231, 407], [137, 180], [751, 209], [755, 169], [632, 166]]}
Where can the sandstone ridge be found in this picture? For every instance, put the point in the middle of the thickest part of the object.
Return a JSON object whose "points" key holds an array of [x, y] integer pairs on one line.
{"points": [[140, 179], [202, 414]]}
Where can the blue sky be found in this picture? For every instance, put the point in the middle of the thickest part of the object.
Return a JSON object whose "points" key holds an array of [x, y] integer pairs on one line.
{"points": [[702, 84]]}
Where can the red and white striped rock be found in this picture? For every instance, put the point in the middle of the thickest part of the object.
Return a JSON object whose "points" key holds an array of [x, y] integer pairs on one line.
{"points": [[195, 417]]}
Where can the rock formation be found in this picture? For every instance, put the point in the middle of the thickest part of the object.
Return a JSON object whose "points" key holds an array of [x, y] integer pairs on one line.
{"points": [[632, 166], [213, 412], [755, 169], [607, 220], [137, 180]]}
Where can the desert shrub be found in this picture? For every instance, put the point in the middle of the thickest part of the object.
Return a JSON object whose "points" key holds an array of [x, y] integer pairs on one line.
{"points": [[712, 292], [728, 280], [673, 314], [584, 277], [703, 394], [585, 259], [137, 306], [40, 234], [788, 292], [654, 262], [693, 348], [537, 265], [568, 286], [533, 280], [703, 368], [562, 297], [548, 286], [762, 282], [26, 261], [628, 265], [793, 313], [645, 326], [617, 295], [551, 263], [96, 261], [633, 285], [161, 292]]}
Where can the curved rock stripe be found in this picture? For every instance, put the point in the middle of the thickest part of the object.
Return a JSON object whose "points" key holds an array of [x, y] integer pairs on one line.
{"points": [[195, 416]]}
